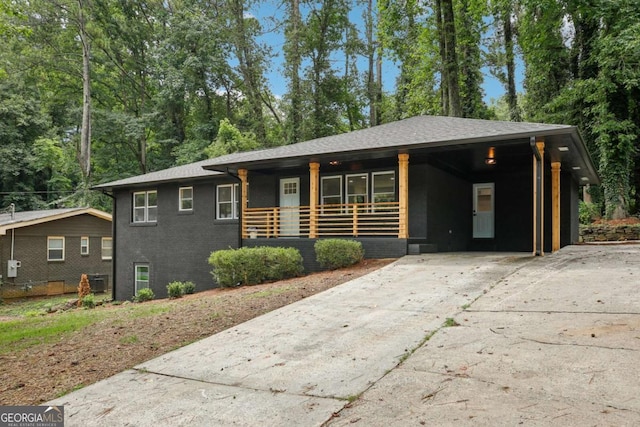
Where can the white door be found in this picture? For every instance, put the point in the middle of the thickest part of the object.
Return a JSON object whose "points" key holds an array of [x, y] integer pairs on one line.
{"points": [[483, 211], [290, 207]]}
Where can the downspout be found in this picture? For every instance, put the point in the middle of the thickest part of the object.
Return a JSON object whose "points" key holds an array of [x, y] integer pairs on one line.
{"points": [[237, 178], [113, 245], [13, 230]]}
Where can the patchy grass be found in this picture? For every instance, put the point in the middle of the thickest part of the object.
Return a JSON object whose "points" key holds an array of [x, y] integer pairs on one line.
{"points": [[268, 292], [33, 326], [22, 306], [27, 332]]}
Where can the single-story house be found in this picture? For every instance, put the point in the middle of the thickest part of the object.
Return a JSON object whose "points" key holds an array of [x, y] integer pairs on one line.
{"points": [[416, 185], [46, 252]]}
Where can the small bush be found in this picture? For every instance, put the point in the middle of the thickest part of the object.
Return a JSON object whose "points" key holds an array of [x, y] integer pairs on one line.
{"points": [[89, 301], [175, 289], [145, 294], [588, 212], [188, 287], [249, 266], [338, 253]]}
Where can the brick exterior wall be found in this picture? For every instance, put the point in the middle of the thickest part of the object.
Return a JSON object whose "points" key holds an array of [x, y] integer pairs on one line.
{"points": [[31, 250], [178, 245]]}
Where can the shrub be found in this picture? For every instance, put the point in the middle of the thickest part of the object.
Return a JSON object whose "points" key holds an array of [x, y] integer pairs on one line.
{"points": [[249, 266], [175, 289], [89, 301], [588, 212], [338, 253], [188, 288], [145, 294]]}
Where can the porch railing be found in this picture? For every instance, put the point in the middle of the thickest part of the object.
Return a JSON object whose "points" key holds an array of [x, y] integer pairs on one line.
{"points": [[339, 220]]}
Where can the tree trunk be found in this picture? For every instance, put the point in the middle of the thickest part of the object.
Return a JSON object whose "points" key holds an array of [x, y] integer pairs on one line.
{"points": [[512, 96], [248, 64], [85, 132], [293, 57], [444, 86], [451, 59]]}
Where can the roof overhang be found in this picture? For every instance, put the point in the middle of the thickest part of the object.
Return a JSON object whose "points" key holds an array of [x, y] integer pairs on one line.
{"points": [[561, 145], [54, 217]]}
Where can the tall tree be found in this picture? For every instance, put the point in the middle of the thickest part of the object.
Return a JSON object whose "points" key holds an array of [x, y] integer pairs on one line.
{"points": [[450, 69], [293, 61]]}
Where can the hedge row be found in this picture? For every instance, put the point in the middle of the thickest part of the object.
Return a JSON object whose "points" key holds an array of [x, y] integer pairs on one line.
{"points": [[249, 266]]}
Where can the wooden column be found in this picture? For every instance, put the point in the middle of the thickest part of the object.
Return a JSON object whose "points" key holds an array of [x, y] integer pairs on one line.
{"points": [[314, 180], [534, 186], [403, 195], [555, 206], [242, 174]]}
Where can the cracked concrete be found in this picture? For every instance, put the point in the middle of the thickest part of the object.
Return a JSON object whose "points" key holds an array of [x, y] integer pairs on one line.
{"points": [[543, 341], [555, 343]]}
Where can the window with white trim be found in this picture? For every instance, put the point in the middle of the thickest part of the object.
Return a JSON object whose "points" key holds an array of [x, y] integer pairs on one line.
{"points": [[227, 201], [107, 248], [357, 188], [55, 248], [383, 187], [331, 190], [186, 199], [84, 245], [145, 206], [142, 277]]}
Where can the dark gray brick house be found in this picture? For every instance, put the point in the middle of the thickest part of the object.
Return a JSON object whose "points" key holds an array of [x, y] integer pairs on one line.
{"points": [[417, 185], [45, 252]]}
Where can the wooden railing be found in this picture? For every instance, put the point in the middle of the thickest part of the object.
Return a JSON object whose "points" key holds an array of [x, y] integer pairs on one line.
{"points": [[354, 219]]}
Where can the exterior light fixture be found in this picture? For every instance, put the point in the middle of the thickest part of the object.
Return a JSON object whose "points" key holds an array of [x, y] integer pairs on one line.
{"points": [[334, 162], [584, 178], [491, 156], [576, 168], [563, 148]]}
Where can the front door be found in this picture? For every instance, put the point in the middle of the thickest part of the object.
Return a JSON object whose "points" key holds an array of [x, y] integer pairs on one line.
{"points": [[290, 207], [483, 211]]}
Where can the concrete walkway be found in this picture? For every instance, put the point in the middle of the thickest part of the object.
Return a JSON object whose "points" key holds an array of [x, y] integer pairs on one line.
{"points": [[543, 341]]}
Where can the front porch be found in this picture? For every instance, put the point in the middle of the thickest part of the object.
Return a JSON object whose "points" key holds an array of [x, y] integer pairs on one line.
{"points": [[334, 220]]}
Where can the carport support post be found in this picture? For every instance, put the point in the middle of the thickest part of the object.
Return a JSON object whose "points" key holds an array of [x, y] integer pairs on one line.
{"points": [[538, 196], [314, 177], [555, 206], [242, 174], [403, 195]]}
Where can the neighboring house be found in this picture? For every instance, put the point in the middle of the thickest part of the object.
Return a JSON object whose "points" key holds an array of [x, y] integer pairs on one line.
{"points": [[46, 252], [417, 185]]}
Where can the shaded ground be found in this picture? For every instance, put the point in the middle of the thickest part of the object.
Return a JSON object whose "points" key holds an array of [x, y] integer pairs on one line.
{"points": [[118, 342]]}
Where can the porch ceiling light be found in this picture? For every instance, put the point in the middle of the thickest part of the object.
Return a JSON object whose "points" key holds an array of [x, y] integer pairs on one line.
{"points": [[576, 168], [584, 178], [491, 156], [334, 162], [563, 148]]}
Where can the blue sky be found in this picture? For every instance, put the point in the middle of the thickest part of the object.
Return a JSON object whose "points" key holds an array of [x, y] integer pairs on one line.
{"points": [[272, 10]]}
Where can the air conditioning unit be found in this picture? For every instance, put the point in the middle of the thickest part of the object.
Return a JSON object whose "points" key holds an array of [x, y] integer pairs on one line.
{"points": [[12, 268]]}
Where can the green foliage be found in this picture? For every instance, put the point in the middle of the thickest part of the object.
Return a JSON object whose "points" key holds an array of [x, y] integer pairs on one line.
{"points": [[89, 301], [588, 212], [175, 289], [249, 266], [230, 140], [145, 294], [338, 253], [188, 288]]}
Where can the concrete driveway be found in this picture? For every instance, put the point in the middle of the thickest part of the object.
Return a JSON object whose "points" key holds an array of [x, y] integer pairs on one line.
{"points": [[540, 341]]}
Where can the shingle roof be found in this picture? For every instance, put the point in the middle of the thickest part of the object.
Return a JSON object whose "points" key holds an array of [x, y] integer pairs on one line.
{"points": [[27, 218], [414, 131], [190, 171], [411, 133]]}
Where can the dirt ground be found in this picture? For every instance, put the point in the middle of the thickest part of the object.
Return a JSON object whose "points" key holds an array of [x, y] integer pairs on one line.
{"points": [[44, 372]]}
